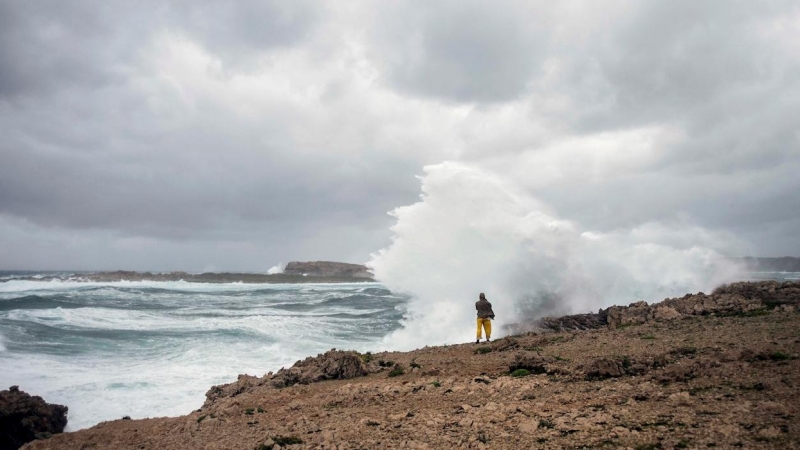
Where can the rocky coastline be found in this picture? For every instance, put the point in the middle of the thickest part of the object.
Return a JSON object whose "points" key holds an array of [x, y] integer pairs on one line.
{"points": [[700, 371], [25, 417]]}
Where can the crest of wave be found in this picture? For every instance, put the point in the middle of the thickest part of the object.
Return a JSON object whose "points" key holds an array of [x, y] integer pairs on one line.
{"points": [[474, 232]]}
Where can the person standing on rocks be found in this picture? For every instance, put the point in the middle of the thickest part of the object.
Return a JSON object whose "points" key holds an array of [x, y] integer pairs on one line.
{"points": [[485, 316]]}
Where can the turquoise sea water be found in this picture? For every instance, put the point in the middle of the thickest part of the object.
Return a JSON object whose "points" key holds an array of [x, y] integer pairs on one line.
{"points": [[147, 349]]}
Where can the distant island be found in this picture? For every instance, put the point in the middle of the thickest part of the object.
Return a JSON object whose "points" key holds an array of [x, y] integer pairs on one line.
{"points": [[295, 272]]}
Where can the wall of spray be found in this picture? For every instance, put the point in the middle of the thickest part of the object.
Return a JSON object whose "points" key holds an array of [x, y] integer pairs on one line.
{"points": [[473, 231]]}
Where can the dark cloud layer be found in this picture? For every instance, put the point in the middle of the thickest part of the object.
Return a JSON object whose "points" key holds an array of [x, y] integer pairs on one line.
{"points": [[195, 135]]}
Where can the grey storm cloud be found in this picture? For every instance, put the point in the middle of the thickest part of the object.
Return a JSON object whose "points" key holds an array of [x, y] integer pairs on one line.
{"points": [[189, 135], [462, 50]]}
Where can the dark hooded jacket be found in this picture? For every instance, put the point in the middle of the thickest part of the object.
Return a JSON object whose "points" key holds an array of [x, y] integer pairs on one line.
{"points": [[484, 308]]}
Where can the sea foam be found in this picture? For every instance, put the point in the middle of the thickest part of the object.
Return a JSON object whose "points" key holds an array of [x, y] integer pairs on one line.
{"points": [[146, 349]]}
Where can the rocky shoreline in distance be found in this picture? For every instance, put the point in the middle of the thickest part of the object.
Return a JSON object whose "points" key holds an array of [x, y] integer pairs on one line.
{"points": [[295, 272], [700, 371], [782, 264]]}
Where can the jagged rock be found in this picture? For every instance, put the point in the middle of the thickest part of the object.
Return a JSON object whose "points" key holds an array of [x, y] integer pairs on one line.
{"points": [[635, 313], [605, 368], [663, 312], [24, 418], [732, 299], [505, 344], [574, 322], [331, 365], [532, 362], [244, 383]]}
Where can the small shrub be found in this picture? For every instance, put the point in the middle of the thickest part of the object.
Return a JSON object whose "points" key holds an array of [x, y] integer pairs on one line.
{"points": [[648, 446], [520, 373], [558, 358], [366, 357], [482, 350], [757, 312], [685, 351], [648, 337], [283, 441], [397, 371], [772, 304], [414, 365], [383, 363], [779, 356], [626, 362], [201, 418], [260, 409], [249, 411], [754, 387], [544, 423], [436, 384], [126, 417]]}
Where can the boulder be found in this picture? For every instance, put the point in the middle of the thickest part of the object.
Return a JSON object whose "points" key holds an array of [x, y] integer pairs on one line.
{"points": [[532, 362], [605, 368], [24, 418], [331, 365]]}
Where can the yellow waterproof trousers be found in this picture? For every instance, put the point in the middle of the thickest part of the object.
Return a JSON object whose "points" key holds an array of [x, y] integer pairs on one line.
{"points": [[487, 325]]}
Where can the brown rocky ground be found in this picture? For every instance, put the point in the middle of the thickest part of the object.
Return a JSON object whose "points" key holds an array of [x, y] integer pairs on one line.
{"points": [[719, 370]]}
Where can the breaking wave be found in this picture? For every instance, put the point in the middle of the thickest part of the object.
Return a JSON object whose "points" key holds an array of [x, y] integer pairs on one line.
{"points": [[473, 232]]}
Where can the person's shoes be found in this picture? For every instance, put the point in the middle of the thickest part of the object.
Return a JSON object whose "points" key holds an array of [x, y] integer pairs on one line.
{"points": [[478, 341], [487, 339]]}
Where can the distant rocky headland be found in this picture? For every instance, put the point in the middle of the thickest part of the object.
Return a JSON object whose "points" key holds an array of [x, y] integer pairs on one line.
{"points": [[327, 269], [295, 272]]}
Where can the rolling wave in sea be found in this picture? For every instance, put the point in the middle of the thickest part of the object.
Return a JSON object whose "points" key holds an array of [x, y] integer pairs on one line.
{"points": [[147, 349]]}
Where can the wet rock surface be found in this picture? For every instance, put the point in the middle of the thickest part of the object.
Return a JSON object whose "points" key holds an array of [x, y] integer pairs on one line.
{"points": [[24, 417], [728, 378]]}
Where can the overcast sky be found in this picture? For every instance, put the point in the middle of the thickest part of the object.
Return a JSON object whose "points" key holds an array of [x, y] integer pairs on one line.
{"points": [[207, 135]]}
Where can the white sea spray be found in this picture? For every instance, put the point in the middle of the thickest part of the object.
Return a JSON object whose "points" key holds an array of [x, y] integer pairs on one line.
{"points": [[473, 231]]}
